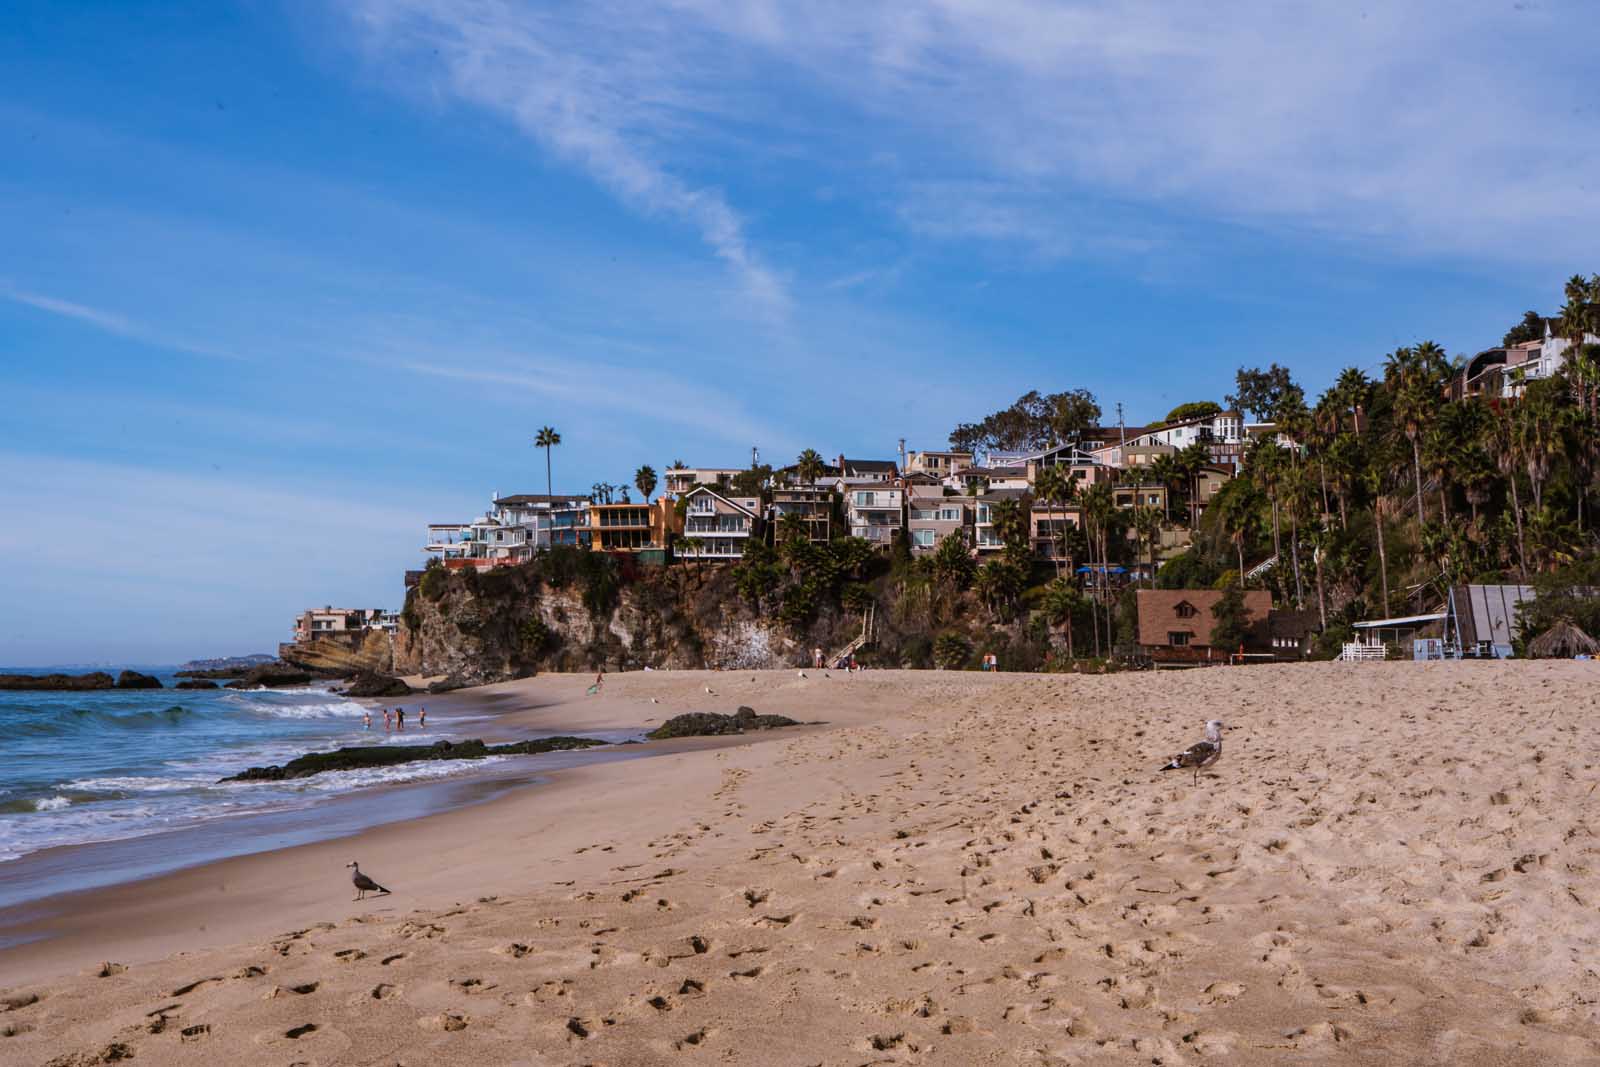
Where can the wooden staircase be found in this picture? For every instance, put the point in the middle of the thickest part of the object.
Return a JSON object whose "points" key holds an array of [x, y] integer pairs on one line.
{"points": [[869, 627]]}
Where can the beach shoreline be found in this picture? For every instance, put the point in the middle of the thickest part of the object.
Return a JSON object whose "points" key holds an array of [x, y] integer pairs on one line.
{"points": [[1391, 863]]}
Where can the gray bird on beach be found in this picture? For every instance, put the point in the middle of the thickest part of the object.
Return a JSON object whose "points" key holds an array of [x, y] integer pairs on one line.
{"points": [[1201, 755], [363, 884]]}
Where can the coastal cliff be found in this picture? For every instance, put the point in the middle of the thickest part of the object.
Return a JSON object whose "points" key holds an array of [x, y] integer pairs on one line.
{"points": [[341, 653], [587, 611], [576, 611]]}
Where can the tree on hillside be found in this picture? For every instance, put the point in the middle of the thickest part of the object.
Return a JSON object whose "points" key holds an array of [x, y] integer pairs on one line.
{"points": [[1060, 605], [1194, 409], [1229, 623], [1261, 392], [645, 479], [1034, 421], [809, 466], [1531, 328], [547, 438]]}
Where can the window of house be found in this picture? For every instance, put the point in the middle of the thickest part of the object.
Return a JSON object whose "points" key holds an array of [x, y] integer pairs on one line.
{"points": [[1185, 610], [1179, 637], [924, 538]]}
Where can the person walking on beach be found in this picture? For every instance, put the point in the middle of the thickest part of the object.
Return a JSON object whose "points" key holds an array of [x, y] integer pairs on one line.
{"points": [[400, 718], [422, 718], [599, 682], [387, 723]]}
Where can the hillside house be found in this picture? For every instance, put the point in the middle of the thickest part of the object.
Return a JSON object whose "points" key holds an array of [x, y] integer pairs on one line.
{"points": [[721, 526], [632, 528], [812, 503], [938, 464], [324, 621], [679, 480], [874, 509], [986, 537], [932, 515]]}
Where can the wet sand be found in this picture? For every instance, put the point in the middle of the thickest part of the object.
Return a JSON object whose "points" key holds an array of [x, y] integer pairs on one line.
{"points": [[1393, 863]]}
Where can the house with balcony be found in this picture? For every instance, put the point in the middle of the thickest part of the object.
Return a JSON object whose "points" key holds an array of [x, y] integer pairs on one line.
{"points": [[874, 509], [549, 520], [812, 503], [1082, 467], [631, 528], [932, 514], [325, 621], [1050, 527], [482, 543], [720, 526], [1533, 360], [679, 480], [983, 479], [938, 464], [986, 538]]}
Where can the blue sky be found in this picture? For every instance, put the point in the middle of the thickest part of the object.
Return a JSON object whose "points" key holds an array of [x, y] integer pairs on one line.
{"points": [[280, 283]]}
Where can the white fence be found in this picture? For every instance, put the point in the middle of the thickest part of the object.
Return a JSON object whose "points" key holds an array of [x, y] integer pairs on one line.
{"points": [[1354, 650]]}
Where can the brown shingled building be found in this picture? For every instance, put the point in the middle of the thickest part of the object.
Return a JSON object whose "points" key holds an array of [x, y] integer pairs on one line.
{"points": [[1172, 619]]}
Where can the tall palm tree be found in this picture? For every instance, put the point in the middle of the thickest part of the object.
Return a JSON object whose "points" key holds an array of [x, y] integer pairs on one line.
{"points": [[1373, 477], [1344, 466], [547, 439], [1407, 380], [1060, 603], [1097, 508], [1354, 390], [1147, 524], [1505, 443], [1192, 461], [645, 479], [1052, 486], [809, 466], [1239, 518], [1165, 471]]}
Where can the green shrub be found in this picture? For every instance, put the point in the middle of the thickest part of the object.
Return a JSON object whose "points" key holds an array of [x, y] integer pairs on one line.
{"points": [[435, 583], [951, 650]]}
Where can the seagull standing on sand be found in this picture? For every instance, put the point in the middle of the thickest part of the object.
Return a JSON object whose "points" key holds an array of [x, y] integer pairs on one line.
{"points": [[709, 690], [1201, 755], [363, 884]]}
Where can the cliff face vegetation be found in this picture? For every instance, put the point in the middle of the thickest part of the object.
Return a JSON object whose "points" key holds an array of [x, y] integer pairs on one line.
{"points": [[571, 610]]}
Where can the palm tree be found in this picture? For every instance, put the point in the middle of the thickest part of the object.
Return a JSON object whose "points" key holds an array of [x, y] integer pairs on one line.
{"points": [[1060, 604], [645, 479], [1344, 464], [1239, 519], [1506, 444], [1052, 487], [809, 467], [547, 439], [1354, 391], [1165, 471], [1098, 506], [1148, 524], [1191, 461], [1373, 478], [1406, 376]]}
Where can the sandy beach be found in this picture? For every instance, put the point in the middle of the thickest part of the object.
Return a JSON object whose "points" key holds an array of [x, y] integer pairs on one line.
{"points": [[1392, 863]]}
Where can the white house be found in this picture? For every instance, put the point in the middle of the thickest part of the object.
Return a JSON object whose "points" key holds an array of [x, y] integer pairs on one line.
{"points": [[721, 526], [874, 509]]}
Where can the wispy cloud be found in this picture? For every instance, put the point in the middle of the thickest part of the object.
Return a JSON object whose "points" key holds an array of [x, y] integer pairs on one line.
{"points": [[109, 322], [596, 108], [1407, 125], [105, 320]]}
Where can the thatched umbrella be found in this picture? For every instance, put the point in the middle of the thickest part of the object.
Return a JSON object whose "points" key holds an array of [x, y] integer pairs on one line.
{"points": [[1562, 641]]}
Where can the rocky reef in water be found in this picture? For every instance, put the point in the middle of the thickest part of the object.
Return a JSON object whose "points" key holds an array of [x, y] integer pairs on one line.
{"points": [[271, 675], [711, 724], [363, 757], [75, 682], [373, 684]]}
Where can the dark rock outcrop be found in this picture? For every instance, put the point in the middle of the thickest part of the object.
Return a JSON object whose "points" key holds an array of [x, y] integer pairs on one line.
{"points": [[93, 680], [215, 672], [346, 759], [447, 685], [373, 684], [135, 680], [195, 683], [710, 724], [271, 675]]}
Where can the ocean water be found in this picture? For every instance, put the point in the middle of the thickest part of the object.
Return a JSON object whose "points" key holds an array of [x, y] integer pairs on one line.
{"points": [[78, 768]]}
